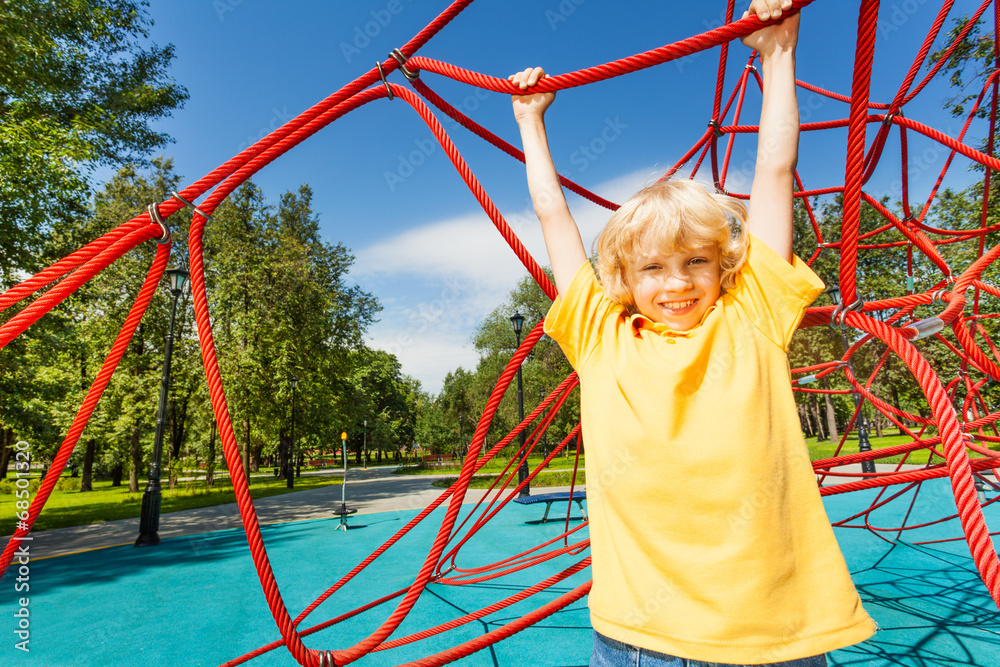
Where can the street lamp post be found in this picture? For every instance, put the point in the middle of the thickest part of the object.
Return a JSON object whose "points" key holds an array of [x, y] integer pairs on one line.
{"points": [[864, 445], [149, 520], [517, 319]]}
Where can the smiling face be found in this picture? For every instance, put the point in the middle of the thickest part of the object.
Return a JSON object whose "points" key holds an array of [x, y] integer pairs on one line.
{"points": [[676, 288]]}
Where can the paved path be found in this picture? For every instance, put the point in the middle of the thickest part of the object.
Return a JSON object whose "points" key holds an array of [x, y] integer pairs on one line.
{"points": [[372, 490]]}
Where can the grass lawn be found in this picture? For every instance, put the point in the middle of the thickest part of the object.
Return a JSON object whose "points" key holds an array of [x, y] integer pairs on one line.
{"points": [[543, 479], [493, 466], [823, 450], [107, 503]]}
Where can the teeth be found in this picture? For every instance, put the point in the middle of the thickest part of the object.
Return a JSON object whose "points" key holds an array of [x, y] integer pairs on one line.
{"points": [[677, 305]]}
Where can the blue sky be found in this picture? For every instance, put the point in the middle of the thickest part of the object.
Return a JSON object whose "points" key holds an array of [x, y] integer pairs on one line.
{"points": [[385, 189]]}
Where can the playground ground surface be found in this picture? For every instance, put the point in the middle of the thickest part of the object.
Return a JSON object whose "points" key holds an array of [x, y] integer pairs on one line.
{"points": [[195, 599]]}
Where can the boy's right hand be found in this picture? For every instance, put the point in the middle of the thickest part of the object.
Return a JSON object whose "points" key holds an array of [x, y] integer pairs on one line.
{"points": [[531, 105]]}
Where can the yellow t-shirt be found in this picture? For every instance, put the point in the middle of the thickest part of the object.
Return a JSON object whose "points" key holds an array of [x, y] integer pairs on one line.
{"points": [[708, 534]]}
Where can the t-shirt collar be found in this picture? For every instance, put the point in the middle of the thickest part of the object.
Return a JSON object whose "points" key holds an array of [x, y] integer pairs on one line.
{"points": [[639, 321]]}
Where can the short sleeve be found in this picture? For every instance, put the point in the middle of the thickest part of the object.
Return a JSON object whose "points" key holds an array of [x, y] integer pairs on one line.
{"points": [[775, 293], [576, 319]]}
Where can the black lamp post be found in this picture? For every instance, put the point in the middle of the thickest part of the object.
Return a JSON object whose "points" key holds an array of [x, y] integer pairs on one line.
{"points": [[517, 319], [864, 445], [149, 521]]}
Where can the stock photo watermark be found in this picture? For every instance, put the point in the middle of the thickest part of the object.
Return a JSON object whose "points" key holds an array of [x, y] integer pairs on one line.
{"points": [[893, 18], [363, 33], [561, 12], [588, 153], [22, 557], [223, 7], [278, 118], [408, 162]]}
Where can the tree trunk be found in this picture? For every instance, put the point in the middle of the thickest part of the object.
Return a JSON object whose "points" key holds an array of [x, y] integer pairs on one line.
{"points": [[88, 466], [6, 449], [895, 402], [814, 413], [135, 449], [246, 449], [284, 445], [210, 464], [877, 420], [116, 474], [831, 415], [803, 424], [255, 457]]}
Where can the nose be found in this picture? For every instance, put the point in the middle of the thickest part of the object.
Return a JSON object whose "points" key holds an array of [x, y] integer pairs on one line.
{"points": [[677, 281]]}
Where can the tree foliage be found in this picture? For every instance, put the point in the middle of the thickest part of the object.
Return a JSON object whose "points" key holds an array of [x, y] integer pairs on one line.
{"points": [[79, 87]]}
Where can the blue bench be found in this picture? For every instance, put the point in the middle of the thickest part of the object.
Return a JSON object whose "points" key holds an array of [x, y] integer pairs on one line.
{"points": [[548, 498]]}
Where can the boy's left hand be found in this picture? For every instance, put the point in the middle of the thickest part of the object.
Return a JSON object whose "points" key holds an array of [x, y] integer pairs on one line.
{"points": [[779, 36]]}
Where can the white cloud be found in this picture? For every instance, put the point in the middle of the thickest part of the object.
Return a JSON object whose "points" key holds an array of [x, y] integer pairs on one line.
{"points": [[436, 282]]}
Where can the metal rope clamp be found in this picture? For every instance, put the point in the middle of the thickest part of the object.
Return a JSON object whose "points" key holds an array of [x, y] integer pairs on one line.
{"points": [[838, 318], [381, 75], [399, 57], [154, 215], [716, 128], [887, 120], [326, 659]]}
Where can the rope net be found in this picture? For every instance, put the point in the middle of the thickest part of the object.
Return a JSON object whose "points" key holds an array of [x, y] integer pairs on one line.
{"points": [[957, 429]]}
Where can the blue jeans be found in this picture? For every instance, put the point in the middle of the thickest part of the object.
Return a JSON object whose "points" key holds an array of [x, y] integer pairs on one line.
{"points": [[611, 653]]}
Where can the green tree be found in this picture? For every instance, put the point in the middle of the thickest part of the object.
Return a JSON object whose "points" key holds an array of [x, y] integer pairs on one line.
{"points": [[79, 88], [383, 403], [281, 307]]}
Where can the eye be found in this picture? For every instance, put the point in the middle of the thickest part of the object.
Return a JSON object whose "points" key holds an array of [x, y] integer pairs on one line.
{"points": [[698, 260], [650, 267]]}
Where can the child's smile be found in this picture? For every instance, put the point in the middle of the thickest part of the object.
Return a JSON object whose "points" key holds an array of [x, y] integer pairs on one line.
{"points": [[676, 288]]}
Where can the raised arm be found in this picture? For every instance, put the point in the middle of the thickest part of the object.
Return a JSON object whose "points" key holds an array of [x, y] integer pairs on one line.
{"points": [[562, 236], [770, 210]]}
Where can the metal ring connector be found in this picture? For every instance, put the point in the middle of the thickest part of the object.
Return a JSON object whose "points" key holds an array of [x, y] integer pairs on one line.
{"points": [[887, 120], [411, 75], [381, 74], [191, 206], [937, 296], [838, 318], [716, 128], [154, 215]]}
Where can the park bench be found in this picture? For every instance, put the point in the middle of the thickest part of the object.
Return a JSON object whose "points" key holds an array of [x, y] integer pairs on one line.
{"points": [[548, 498]]}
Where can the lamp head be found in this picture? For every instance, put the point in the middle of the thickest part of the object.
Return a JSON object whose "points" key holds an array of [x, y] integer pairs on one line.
{"points": [[177, 279], [295, 382], [517, 319]]}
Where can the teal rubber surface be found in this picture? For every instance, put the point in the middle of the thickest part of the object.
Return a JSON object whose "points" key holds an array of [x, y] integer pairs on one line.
{"points": [[196, 600]]}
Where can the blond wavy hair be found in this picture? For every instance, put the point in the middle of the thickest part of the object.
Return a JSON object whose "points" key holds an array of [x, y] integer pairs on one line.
{"points": [[671, 216]]}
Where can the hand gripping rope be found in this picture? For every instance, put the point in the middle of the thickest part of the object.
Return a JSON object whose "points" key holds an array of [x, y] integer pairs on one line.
{"points": [[887, 322]]}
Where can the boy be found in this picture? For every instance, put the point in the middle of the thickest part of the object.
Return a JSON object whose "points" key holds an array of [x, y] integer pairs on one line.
{"points": [[708, 535]]}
